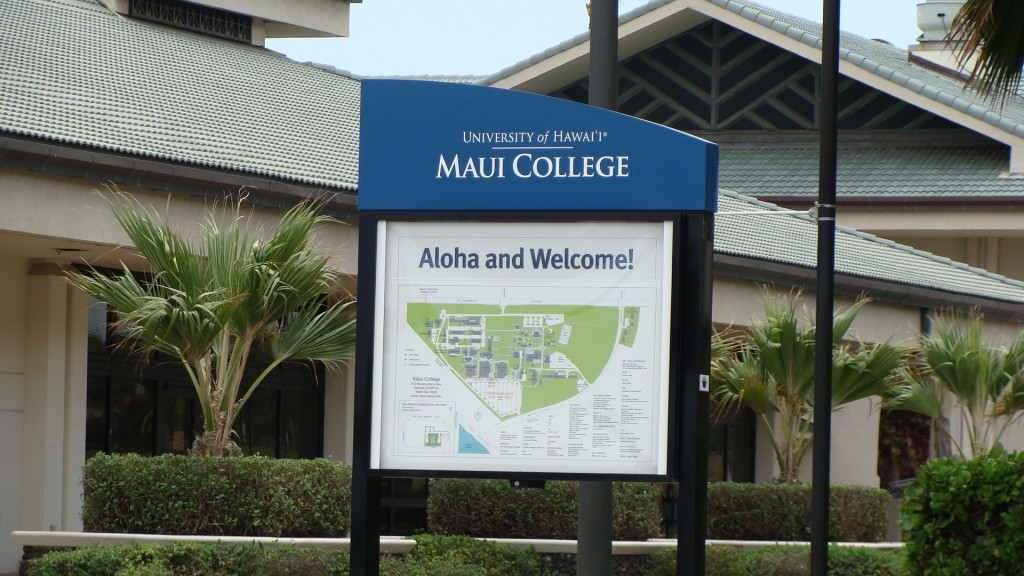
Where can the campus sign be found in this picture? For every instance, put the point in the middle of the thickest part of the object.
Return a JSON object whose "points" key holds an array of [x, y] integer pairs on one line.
{"points": [[525, 255], [444, 146]]}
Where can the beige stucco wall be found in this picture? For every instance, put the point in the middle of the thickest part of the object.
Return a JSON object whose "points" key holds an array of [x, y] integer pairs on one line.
{"points": [[13, 318], [43, 343], [42, 212]]}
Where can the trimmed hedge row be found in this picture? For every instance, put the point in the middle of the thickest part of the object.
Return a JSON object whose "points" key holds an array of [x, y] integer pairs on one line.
{"points": [[191, 558], [250, 496], [770, 512], [433, 555], [493, 509], [256, 496], [786, 561], [451, 556], [966, 517]]}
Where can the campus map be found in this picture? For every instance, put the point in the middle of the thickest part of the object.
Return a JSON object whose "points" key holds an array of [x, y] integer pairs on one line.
{"points": [[493, 360]]}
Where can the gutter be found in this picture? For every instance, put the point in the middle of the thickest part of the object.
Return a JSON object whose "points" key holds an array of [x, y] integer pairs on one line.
{"points": [[81, 162]]}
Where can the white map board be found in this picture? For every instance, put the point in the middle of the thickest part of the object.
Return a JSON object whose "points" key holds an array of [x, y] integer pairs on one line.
{"points": [[522, 347]]}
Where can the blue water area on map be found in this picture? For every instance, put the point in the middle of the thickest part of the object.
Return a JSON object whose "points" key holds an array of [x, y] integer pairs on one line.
{"points": [[468, 444]]}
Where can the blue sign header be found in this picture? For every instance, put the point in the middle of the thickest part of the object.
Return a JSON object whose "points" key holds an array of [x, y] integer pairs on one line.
{"points": [[447, 146]]}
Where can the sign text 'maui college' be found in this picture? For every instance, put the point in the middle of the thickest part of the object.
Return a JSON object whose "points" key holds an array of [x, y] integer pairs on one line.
{"points": [[528, 155]]}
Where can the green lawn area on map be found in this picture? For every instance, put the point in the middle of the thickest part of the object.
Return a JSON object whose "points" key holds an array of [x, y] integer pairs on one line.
{"points": [[594, 329], [480, 342], [631, 316]]}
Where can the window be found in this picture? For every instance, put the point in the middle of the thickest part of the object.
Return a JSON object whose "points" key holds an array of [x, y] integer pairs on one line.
{"points": [[151, 407], [731, 447]]}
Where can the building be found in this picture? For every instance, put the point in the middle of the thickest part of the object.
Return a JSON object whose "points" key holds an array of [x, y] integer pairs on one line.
{"points": [[922, 161], [179, 117]]}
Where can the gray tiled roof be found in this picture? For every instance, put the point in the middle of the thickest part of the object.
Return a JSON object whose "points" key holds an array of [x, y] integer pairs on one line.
{"points": [[878, 58], [71, 71], [458, 79], [792, 239], [875, 171]]}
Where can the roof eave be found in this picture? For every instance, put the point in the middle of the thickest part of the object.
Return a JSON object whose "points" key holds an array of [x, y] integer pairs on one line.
{"points": [[569, 61], [126, 170]]}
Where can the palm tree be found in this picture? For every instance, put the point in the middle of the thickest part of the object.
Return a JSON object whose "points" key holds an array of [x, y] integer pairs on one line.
{"points": [[211, 300], [771, 371], [994, 31], [986, 381]]}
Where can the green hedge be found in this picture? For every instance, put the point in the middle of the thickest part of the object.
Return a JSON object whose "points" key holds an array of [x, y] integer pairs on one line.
{"points": [[433, 555], [493, 509], [249, 496], [495, 559], [786, 561], [180, 559], [966, 517], [770, 512]]}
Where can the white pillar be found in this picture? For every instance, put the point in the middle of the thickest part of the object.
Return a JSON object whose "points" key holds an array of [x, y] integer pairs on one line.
{"points": [[855, 443], [76, 384], [42, 459], [338, 414]]}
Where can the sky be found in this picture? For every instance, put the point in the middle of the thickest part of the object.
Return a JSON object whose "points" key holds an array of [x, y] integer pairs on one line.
{"points": [[481, 37]]}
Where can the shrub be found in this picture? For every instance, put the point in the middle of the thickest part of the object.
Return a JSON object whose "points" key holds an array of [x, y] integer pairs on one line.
{"points": [[786, 561], [966, 517], [778, 561], [493, 509], [495, 558], [93, 561], [718, 561], [782, 512], [854, 561], [395, 566], [249, 496], [721, 561], [191, 558]]}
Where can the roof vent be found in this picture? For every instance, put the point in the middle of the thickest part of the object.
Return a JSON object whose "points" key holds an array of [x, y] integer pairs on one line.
{"points": [[935, 19], [193, 17]]}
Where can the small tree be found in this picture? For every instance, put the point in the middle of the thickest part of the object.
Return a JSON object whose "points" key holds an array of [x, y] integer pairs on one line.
{"points": [[987, 383], [211, 300], [991, 33], [771, 371]]}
